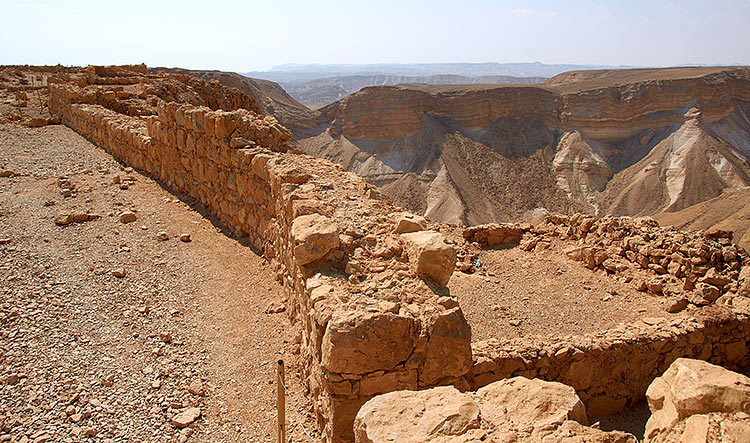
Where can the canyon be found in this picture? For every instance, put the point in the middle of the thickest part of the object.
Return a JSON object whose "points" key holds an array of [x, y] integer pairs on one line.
{"points": [[583, 141]]}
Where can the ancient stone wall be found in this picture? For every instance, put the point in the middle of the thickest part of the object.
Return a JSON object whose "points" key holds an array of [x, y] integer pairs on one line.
{"points": [[370, 325], [612, 369]]}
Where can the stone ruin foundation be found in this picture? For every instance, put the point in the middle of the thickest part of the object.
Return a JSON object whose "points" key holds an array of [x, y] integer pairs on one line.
{"points": [[375, 317]]}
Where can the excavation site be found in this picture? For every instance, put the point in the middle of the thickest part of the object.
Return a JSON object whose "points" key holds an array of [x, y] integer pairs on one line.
{"points": [[196, 256]]}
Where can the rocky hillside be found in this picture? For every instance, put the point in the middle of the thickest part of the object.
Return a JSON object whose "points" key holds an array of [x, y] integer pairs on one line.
{"points": [[272, 99], [728, 212], [622, 142]]}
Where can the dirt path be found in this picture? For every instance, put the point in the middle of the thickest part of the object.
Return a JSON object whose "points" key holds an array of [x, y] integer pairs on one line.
{"points": [[85, 355]]}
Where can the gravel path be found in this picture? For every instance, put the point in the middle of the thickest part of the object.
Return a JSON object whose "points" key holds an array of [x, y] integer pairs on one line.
{"points": [[88, 356]]}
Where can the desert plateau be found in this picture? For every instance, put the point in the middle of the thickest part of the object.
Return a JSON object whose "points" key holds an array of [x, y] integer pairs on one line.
{"points": [[374, 252]]}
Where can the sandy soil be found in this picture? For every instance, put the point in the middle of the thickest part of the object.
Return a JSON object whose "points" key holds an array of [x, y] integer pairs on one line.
{"points": [[83, 352], [522, 294]]}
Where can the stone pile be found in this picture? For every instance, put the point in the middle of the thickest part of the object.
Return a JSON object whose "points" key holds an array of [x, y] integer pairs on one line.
{"points": [[699, 266]]}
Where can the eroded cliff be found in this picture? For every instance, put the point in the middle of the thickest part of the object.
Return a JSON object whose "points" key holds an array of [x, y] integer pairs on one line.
{"points": [[626, 142]]}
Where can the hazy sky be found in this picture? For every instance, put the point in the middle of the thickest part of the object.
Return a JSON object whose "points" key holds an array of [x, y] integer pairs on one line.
{"points": [[255, 35]]}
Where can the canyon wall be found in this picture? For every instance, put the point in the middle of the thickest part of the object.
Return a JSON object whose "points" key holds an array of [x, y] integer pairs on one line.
{"points": [[596, 142], [369, 324]]}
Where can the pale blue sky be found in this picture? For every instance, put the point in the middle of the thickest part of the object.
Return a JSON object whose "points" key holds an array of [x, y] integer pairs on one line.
{"points": [[250, 35]]}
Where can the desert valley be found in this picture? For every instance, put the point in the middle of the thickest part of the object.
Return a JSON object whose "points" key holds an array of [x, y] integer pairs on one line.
{"points": [[376, 252]]}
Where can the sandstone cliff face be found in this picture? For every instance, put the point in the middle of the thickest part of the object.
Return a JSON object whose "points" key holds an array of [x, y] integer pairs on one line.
{"points": [[629, 142]]}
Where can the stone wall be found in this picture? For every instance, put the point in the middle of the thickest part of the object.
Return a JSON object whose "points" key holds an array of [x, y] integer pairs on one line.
{"points": [[612, 370], [370, 325]]}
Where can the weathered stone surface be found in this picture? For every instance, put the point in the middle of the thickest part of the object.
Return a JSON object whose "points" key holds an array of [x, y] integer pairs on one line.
{"points": [[314, 236], [410, 223], [529, 407], [514, 410], [358, 343], [186, 417], [448, 352], [435, 415], [496, 233], [128, 217], [431, 256], [574, 432], [686, 393]]}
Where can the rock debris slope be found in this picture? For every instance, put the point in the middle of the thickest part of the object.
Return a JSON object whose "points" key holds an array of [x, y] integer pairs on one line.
{"points": [[622, 142]]}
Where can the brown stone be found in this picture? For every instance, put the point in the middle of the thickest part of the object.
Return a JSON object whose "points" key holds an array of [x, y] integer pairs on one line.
{"points": [[128, 217], [691, 388], [433, 415], [409, 223], [359, 343], [63, 218], [314, 236], [430, 255], [186, 417]]}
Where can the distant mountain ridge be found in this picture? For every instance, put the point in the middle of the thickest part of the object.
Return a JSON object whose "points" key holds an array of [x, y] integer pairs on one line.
{"points": [[291, 72], [317, 85], [324, 91]]}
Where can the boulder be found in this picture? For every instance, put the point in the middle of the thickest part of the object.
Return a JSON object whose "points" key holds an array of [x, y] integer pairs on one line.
{"points": [[694, 398], [430, 255], [514, 410], [410, 223], [712, 277], [314, 236], [529, 408], [434, 415]]}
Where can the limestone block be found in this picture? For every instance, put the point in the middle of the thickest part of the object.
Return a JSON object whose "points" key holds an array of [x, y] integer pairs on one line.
{"points": [[314, 236], [409, 223], [430, 255], [532, 406], [689, 388], [448, 351], [224, 124], [434, 415], [359, 343]]}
